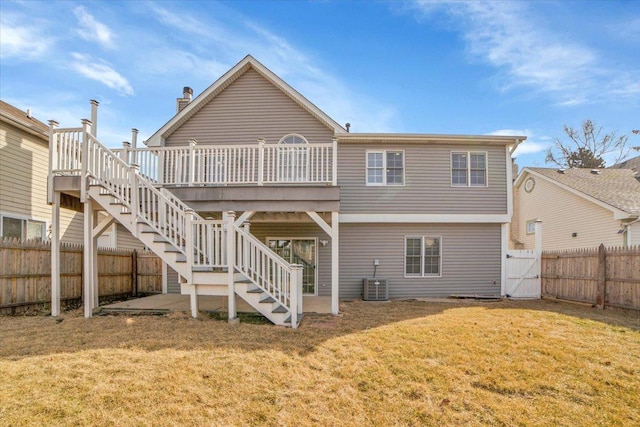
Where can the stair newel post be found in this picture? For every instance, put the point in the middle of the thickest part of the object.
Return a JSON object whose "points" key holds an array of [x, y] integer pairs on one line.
{"points": [[134, 193], [295, 294], [192, 161], [84, 161], [134, 145], [53, 157], [188, 247], [246, 261], [229, 218], [261, 142], [124, 154], [334, 162]]}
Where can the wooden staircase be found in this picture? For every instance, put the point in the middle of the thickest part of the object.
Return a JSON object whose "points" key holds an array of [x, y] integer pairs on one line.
{"points": [[208, 254]]}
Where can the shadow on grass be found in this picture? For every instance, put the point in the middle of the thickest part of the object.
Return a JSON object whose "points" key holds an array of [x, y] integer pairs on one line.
{"points": [[22, 337]]}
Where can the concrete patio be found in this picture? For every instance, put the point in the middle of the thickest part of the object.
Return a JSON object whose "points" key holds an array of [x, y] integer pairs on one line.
{"points": [[177, 302]]}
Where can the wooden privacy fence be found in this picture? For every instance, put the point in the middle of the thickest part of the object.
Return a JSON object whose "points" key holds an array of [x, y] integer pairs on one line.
{"points": [[25, 274], [601, 276]]}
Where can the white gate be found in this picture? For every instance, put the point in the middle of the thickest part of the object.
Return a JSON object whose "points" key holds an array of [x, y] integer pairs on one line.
{"points": [[523, 274]]}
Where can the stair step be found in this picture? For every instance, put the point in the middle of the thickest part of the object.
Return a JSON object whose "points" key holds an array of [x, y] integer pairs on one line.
{"points": [[255, 291], [267, 300], [288, 319], [280, 309], [171, 248]]}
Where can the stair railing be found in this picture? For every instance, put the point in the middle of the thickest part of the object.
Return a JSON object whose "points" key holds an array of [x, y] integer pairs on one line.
{"points": [[267, 270]]}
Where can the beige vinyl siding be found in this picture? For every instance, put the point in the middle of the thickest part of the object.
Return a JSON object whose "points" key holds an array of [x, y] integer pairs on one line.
{"points": [[249, 109], [471, 255], [173, 281], [24, 165], [126, 240], [634, 230], [311, 230], [563, 213], [427, 188]]}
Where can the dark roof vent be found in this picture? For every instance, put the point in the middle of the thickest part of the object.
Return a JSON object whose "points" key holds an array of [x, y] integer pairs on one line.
{"points": [[596, 171], [348, 126], [562, 171]]}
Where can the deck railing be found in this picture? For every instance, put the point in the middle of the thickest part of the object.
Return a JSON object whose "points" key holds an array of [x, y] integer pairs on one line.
{"points": [[205, 243], [257, 164]]}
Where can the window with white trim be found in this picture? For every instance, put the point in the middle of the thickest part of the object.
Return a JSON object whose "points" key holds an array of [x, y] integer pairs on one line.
{"points": [[468, 169], [385, 167], [531, 226], [20, 228], [423, 256]]}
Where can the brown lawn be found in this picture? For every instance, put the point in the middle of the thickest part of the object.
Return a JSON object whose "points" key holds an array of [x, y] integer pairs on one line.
{"points": [[398, 363]]}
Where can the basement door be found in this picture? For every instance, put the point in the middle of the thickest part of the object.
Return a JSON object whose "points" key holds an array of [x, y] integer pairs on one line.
{"points": [[301, 251]]}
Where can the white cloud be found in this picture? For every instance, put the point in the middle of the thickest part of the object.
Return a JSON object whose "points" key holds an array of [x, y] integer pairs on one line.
{"points": [[507, 36], [530, 145], [92, 30], [25, 42], [100, 71]]}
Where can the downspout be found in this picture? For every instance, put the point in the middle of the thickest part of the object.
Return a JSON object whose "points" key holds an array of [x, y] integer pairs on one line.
{"points": [[628, 231]]}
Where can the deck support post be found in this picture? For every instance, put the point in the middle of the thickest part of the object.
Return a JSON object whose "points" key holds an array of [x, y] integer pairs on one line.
{"points": [[55, 255], [88, 259], [335, 263], [229, 218], [53, 158]]}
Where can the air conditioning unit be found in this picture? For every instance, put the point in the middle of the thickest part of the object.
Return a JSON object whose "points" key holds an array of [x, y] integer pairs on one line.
{"points": [[375, 289]]}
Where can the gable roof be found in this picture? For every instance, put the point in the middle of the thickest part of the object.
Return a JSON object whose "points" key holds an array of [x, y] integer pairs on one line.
{"points": [[615, 189], [26, 122], [249, 62], [632, 163]]}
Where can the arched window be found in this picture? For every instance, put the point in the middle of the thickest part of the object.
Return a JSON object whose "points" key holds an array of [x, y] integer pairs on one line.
{"points": [[293, 138], [293, 157]]}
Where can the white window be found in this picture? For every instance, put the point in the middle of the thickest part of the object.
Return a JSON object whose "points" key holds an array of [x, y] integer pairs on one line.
{"points": [[423, 256], [385, 167], [19, 228], [531, 226], [468, 169], [293, 157]]}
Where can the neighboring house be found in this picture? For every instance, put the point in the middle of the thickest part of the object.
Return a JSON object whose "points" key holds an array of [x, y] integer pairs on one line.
{"points": [[579, 208], [263, 166], [24, 164]]}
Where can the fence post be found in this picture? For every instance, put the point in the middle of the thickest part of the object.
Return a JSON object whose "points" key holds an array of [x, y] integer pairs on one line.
{"points": [[134, 272], [261, 161], [601, 300]]}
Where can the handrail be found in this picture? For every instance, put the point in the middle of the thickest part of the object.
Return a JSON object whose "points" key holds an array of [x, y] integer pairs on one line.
{"points": [[162, 211], [264, 267]]}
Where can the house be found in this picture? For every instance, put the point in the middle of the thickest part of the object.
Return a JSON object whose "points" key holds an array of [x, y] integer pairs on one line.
{"points": [[24, 164], [579, 208], [251, 191], [24, 160]]}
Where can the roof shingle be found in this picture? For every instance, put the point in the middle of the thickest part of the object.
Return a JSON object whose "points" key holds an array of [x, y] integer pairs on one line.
{"points": [[616, 187]]}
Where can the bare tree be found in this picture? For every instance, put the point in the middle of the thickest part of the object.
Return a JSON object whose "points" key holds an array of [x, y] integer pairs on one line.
{"points": [[587, 147]]}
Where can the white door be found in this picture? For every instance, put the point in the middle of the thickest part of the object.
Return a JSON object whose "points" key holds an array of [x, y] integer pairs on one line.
{"points": [[523, 274]]}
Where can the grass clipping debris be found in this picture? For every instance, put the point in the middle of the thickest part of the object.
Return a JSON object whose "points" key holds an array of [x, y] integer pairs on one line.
{"points": [[400, 363]]}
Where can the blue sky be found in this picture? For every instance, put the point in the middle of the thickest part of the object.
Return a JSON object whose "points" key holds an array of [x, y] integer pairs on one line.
{"points": [[522, 68]]}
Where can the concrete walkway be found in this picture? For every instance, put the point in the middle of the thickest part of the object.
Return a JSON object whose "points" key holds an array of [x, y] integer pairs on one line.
{"points": [[177, 302]]}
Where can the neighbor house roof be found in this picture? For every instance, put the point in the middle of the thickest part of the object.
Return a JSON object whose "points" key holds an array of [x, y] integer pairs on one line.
{"points": [[615, 189], [23, 120], [632, 163], [249, 62]]}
